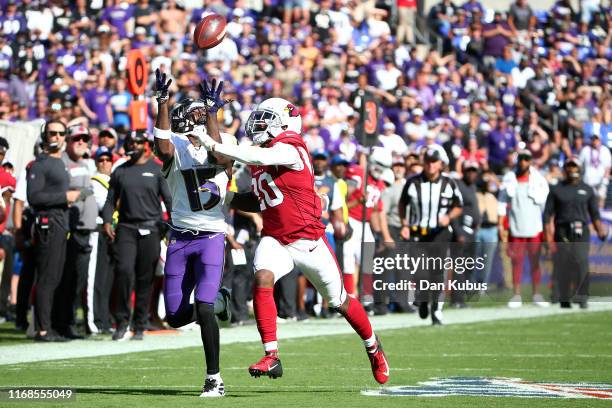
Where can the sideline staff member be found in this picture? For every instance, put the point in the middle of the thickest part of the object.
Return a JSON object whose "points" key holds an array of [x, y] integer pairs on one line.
{"points": [[47, 192], [138, 184], [572, 202]]}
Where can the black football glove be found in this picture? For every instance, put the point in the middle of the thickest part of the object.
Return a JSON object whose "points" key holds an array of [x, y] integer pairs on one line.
{"points": [[212, 95], [161, 87]]}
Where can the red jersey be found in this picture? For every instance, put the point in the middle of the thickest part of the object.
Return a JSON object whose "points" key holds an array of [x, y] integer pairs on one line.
{"points": [[7, 183], [374, 192], [290, 207]]}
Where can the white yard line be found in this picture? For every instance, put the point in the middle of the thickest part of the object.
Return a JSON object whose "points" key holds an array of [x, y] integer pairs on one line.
{"points": [[27, 353]]}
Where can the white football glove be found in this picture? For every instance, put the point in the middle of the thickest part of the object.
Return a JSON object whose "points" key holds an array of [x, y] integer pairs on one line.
{"points": [[204, 139]]}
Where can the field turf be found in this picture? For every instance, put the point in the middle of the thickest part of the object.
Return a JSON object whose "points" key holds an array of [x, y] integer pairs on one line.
{"points": [[330, 371]]}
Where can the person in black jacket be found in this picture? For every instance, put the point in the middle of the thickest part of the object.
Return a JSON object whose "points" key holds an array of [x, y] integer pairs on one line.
{"points": [[569, 206], [139, 186], [49, 195], [464, 228]]}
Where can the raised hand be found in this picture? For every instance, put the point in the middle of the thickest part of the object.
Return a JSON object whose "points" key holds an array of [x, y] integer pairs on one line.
{"points": [[161, 87], [212, 95]]}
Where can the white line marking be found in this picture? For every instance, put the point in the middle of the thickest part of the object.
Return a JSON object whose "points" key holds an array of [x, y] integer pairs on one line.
{"points": [[32, 352]]}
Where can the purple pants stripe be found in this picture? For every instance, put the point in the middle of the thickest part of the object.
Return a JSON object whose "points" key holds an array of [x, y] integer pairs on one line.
{"points": [[193, 262]]}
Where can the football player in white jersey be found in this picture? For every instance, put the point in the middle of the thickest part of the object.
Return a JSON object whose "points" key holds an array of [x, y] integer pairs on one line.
{"points": [[198, 183]]}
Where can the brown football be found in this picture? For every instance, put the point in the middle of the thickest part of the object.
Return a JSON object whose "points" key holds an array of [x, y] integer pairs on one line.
{"points": [[210, 31]]}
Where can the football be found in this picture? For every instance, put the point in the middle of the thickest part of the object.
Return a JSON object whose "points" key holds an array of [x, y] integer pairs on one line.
{"points": [[210, 31]]}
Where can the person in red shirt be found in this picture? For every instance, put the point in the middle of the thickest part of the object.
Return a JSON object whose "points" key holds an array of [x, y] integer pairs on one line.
{"points": [[380, 159], [9, 282], [293, 233]]}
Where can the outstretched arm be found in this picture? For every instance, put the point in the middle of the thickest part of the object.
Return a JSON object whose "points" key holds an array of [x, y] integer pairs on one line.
{"points": [[280, 154], [164, 149]]}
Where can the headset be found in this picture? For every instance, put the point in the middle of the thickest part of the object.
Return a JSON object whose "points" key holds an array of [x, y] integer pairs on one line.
{"points": [[43, 132]]}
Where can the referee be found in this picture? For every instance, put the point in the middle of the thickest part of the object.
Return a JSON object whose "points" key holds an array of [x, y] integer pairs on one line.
{"points": [[139, 186], [429, 202]]}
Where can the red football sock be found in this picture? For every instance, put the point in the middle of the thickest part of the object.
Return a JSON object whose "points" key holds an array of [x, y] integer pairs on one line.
{"points": [[358, 319], [349, 283], [265, 314]]}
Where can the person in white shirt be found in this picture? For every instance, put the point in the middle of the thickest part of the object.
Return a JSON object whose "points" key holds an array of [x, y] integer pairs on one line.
{"points": [[417, 129], [392, 141], [595, 160]]}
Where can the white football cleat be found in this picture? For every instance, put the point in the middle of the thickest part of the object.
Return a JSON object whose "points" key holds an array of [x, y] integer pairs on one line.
{"points": [[538, 300], [213, 388], [515, 302]]}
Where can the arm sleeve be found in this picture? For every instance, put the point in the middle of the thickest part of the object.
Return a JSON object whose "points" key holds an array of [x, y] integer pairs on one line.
{"points": [[593, 207], [502, 202], [164, 192], [37, 196], [549, 208], [457, 196], [338, 199], [100, 193], [280, 154], [109, 205]]}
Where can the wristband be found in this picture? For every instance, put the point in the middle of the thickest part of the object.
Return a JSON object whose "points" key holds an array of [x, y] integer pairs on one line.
{"points": [[163, 134]]}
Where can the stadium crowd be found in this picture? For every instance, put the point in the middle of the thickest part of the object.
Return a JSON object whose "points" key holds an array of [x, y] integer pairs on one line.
{"points": [[492, 89]]}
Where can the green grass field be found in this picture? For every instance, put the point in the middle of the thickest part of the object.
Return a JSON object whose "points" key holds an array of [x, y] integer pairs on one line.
{"points": [[332, 370]]}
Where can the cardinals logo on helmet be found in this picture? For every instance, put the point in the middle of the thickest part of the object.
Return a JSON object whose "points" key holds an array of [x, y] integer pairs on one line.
{"points": [[292, 111]]}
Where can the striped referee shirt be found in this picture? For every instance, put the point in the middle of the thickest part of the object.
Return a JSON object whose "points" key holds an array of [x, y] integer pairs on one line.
{"points": [[425, 201]]}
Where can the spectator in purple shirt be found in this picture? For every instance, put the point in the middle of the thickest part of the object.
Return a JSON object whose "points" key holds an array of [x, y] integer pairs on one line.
{"points": [[497, 35], [502, 142], [12, 22], [120, 16], [96, 104]]}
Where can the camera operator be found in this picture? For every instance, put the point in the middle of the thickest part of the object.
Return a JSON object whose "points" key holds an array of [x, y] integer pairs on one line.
{"points": [[138, 184], [49, 195]]}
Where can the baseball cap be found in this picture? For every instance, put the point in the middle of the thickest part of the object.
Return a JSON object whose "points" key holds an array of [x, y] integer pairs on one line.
{"points": [[435, 153], [320, 154], [4, 145], [78, 131], [138, 136], [339, 160], [389, 126], [387, 176], [103, 151], [108, 132], [470, 164], [140, 30], [417, 112], [524, 154], [572, 160], [397, 160]]}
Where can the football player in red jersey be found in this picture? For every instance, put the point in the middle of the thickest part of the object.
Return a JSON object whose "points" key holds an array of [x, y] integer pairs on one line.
{"points": [[379, 159], [293, 234]]}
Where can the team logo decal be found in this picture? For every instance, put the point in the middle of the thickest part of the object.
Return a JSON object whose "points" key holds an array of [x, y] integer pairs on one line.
{"points": [[292, 111], [495, 387]]}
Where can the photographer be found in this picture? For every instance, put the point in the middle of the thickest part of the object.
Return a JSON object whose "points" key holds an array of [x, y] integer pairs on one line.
{"points": [[49, 195]]}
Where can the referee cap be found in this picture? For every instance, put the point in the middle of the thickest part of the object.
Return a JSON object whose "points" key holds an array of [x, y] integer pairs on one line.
{"points": [[435, 152]]}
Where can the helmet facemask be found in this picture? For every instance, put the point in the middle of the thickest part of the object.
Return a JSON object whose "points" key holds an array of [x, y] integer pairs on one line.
{"points": [[263, 125], [188, 117]]}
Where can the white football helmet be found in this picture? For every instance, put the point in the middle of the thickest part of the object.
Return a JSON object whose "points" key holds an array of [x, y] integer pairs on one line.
{"points": [[379, 160], [271, 118]]}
